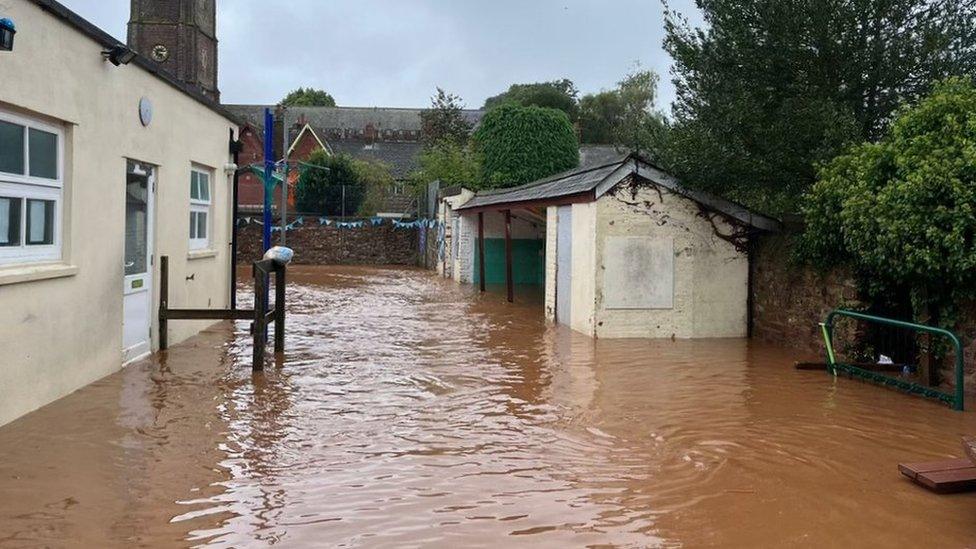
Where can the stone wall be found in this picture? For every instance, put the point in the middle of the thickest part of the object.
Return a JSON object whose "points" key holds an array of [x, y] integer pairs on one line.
{"points": [[789, 300], [323, 245]]}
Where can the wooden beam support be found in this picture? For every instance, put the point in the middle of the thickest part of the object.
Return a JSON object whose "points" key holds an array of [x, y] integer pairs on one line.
{"points": [[279, 319], [209, 314], [163, 302], [509, 285], [576, 198], [260, 329], [481, 249]]}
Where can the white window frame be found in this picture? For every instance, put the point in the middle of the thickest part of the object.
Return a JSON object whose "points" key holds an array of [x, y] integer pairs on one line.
{"points": [[27, 187], [201, 206]]}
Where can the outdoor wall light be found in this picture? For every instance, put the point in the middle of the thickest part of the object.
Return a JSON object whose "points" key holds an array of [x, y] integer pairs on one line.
{"points": [[7, 32], [119, 55]]}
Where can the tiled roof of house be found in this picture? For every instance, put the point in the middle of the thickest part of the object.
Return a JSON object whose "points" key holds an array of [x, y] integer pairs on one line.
{"points": [[403, 157], [348, 118]]}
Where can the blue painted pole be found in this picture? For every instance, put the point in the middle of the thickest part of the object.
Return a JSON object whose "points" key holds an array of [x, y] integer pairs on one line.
{"points": [[268, 176]]}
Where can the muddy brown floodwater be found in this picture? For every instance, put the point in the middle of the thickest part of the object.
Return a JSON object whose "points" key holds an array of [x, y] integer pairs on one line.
{"points": [[411, 412]]}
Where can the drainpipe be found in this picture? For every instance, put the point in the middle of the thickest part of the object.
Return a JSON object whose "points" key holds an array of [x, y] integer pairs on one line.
{"points": [[235, 150]]}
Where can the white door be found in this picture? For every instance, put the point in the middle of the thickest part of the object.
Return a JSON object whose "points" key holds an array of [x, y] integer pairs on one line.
{"points": [[564, 264], [137, 293]]}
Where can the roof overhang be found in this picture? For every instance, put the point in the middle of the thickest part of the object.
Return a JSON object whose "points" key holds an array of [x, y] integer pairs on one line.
{"points": [[592, 183]]}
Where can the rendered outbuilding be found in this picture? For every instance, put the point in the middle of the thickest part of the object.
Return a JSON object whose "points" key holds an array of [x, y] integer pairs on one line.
{"points": [[626, 250]]}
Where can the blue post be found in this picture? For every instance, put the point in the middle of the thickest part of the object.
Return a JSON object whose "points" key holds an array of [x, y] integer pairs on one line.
{"points": [[268, 176]]}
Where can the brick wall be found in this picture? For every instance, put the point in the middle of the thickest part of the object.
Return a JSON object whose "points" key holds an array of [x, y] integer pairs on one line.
{"points": [[323, 245]]}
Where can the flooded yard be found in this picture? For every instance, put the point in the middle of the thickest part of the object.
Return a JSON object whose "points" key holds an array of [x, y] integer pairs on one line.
{"points": [[408, 411]]}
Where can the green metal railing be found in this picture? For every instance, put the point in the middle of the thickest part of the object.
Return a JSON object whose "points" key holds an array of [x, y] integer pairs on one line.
{"points": [[955, 400]]}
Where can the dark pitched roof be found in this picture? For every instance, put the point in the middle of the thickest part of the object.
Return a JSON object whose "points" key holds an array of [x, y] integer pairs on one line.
{"points": [[348, 118], [106, 40], [600, 178], [403, 157]]}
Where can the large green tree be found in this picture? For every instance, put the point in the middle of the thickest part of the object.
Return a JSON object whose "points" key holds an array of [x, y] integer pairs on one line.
{"points": [[901, 213], [769, 88], [444, 121], [329, 185], [521, 144], [557, 94], [308, 97], [624, 115]]}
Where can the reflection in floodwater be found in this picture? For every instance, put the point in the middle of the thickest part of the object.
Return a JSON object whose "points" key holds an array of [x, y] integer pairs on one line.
{"points": [[410, 412]]}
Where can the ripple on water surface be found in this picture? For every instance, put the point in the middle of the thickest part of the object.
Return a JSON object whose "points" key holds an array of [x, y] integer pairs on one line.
{"points": [[409, 411]]}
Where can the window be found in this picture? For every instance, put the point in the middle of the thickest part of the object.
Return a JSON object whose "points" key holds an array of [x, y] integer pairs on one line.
{"points": [[199, 209], [31, 189]]}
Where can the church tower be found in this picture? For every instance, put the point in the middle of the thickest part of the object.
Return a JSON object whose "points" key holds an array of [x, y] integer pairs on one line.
{"points": [[180, 36]]}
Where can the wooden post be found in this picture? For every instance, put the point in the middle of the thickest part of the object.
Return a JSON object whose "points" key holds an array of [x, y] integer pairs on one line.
{"points": [[481, 249], [260, 330], [163, 302], [279, 309], [508, 256]]}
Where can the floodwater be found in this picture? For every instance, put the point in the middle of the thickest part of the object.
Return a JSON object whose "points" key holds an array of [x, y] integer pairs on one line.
{"points": [[410, 412]]}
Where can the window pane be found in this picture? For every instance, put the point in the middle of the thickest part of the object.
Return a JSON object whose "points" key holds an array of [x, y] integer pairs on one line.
{"points": [[40, 222], [136, 228], [9, 221], [43, 151], [193, 224], [205, 187], [11, 148], [201, 225], [194, 186]]}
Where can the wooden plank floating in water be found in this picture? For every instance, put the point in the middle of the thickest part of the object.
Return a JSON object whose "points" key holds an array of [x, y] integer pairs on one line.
{"points": [[874, 367], [942, 477]]}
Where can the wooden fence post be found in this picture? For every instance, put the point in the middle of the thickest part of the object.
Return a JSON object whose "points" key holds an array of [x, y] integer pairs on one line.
{"points": [[279, 308], [260, 330], [510, 285], [163, 302]]}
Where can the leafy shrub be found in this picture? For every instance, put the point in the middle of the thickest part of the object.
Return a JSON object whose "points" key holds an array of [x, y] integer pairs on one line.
{"points": [[521, 144], [902, 213]]}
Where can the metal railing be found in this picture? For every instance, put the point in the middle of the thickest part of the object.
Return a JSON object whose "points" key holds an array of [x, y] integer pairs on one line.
{"points": [[954, 399]]}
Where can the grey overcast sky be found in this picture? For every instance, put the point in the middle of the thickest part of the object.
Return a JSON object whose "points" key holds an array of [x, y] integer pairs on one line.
{"points": [[392, 53]]}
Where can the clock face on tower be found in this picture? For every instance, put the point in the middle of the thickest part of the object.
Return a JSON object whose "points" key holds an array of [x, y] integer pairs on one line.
{"points": [[160, 53]]}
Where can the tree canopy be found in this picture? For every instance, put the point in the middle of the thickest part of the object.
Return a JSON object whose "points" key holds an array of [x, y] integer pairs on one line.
{"points": [[308, 97], [520, 144], [624, 115], [320, 186], [451, 164], [771, 88], [444, 121], [902, 212], [377, 181], [557, 94]]}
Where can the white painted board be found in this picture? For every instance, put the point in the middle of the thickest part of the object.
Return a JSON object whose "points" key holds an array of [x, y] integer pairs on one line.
{"points": [[639, 272], [564, 264]]}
